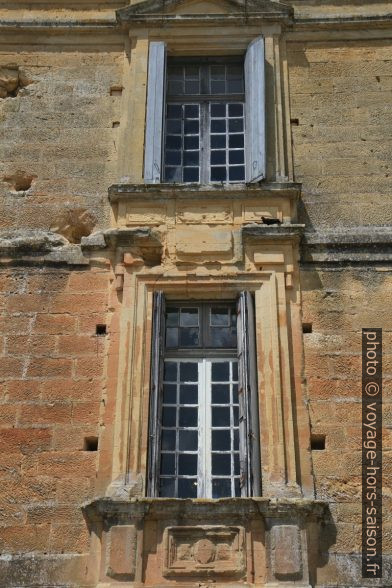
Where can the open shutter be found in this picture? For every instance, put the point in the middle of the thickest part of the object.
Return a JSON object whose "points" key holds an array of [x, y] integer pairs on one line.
{"points": [[157, 349], [154, 114], [248, 398], [255, 111]]}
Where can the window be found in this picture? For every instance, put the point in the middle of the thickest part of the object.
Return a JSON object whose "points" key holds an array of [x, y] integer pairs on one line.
{"points": [[204, 410], [204, 124], [205, 118]]}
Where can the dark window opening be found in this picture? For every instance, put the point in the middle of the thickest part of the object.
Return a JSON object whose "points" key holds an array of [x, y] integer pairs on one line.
{"points": [[317, 442], [90, 444]]}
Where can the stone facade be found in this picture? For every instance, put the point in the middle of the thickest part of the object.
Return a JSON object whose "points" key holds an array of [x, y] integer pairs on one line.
{"points": [[85, 243]]}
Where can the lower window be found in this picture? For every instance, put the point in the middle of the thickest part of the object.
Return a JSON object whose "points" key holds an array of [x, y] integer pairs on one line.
{"points": [[199, 454], [203, 430]]}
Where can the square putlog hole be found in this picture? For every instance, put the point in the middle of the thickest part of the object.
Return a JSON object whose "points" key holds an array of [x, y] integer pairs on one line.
{"points": [[90, 444], [317, 442]]}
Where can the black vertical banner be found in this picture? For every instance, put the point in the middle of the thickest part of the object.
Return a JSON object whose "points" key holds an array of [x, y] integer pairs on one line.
{"points": [[372, 453]]}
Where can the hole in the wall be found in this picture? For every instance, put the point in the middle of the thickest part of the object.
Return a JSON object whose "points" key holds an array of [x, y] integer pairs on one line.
{"points": [[307, 327], [116, 90], [317, 442], [100, 330], [115, 124], [90, 444], [20, 181], [294, 121]]}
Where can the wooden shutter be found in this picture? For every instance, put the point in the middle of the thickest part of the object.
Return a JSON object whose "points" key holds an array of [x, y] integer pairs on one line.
{"points": [[157, 350], [255, 111], [154, 114], [248, 398]]}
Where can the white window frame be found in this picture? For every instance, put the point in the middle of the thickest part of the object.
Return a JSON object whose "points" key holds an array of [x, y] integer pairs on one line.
{"points": [[255, 142]]}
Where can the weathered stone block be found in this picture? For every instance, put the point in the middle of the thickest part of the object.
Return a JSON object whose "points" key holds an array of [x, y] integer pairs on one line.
{"points": [[286, 552], [121, 552]]}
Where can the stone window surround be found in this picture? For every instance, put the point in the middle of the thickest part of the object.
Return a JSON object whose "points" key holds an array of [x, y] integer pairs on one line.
{"points": [[225, 41]]}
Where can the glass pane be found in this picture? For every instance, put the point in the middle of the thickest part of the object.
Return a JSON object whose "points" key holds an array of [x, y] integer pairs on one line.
{"points": [[220, 393], [191, 158], [221, 487], [175, 72], [237, 487], [235, 392], [172, 317], [173, 126], [218, 126], [236, 156], [218, 157], [187, 488], [221, 464], [237, 173], [235, 371], [235, 86], [174, 111], [223, 337], [218, 141], [175, 87], [169, 394], [218, 110], [173, 157], [192, 87], [188, 440], [236, 125], [173, 142], [167, 487], [191, 111], [188, 394], [188, 371], [188, 417], [189, 337], [192, 72], [172, 337], [219, 317], [191, 174], [218, 174], [168, 461], [191, 142], [218, 87], [236, 464], [220, 416], [191, 127], [235, 416], [187, 464], [169, 416], [220, 371], [168, 439], [236, 440], [170, 371], [236, 110], [236, 141], [217, 72], [221, 440], [189, 317], [173, 174]]}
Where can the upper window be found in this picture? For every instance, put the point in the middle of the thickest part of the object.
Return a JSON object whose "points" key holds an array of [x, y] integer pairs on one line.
{"points": [[204, 411], [205, 120]]}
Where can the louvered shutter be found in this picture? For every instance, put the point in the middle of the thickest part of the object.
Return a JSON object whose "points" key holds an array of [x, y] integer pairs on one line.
{"points": [[255, 111], [248, 398], [154, 114], [157, 350]]}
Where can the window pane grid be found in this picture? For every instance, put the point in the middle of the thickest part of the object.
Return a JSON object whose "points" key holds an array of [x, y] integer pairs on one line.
{"points": [[182, 143], [225, 474], [180, 419], [227, 142]]}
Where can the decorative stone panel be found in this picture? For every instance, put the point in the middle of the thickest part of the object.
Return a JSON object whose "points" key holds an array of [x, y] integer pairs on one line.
{"points": [[286, 552], [204, 551], [121, 552]]}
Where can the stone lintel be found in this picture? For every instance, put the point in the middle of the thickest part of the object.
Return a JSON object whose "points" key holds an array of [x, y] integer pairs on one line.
{"points": [[289, 232]]}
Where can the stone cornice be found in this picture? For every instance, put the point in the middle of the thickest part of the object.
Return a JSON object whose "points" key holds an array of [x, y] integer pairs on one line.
{"points": [[118, 192]]}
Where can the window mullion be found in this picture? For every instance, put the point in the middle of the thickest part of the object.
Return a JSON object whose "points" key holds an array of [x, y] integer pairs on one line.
{"points": [[207, 431]]}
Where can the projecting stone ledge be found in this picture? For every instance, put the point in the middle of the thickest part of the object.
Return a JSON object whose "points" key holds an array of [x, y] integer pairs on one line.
{"points": [[250, 541]]}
